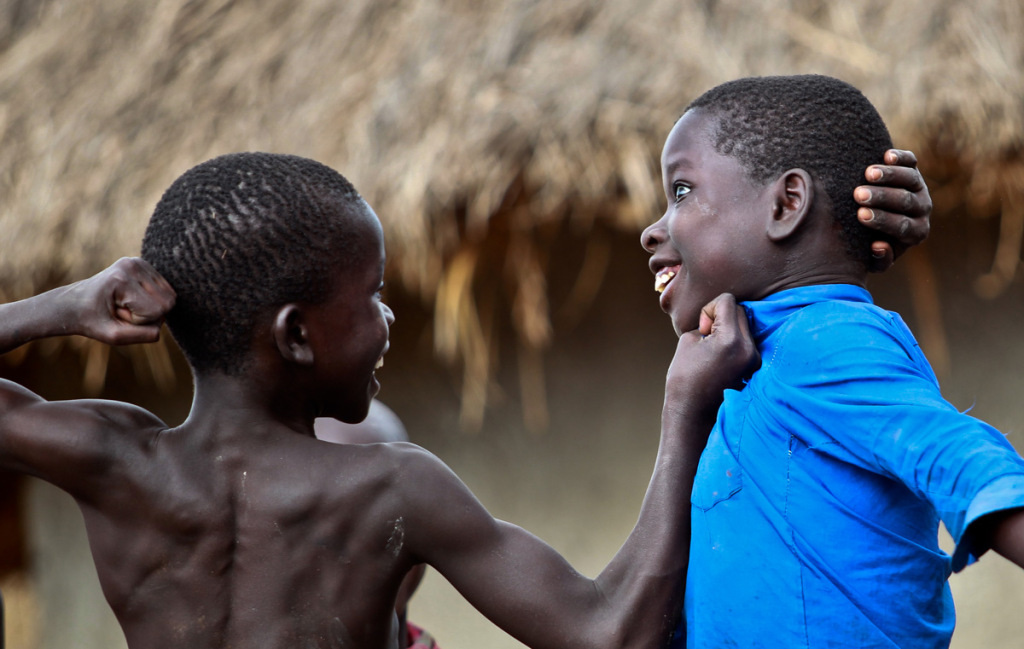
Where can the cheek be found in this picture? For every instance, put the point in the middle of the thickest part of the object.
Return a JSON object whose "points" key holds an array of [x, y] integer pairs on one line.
{"points": [[694, 226]]}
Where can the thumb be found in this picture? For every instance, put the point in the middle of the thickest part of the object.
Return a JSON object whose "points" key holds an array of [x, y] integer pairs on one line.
{"points": [[721, 309]]}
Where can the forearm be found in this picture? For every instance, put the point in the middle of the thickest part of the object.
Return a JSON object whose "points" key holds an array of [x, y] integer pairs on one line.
{"points": [[645, 582], [121, 305], [36, 317], [528, 589]]}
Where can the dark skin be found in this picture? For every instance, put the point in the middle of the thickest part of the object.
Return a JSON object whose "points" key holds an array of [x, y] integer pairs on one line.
{"points": [[381, 426], [239, 529], [897, 190], [724, 233]]}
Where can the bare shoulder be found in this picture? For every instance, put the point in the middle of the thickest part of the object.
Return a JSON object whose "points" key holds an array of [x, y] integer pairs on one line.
{"points": [[68, 442], [420, 472], [404, 478], [440, 512], [23, 409], [408, 469]]}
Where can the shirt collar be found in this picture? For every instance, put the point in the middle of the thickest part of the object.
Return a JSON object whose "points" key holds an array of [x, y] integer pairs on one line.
{"points": [[768, 314]]}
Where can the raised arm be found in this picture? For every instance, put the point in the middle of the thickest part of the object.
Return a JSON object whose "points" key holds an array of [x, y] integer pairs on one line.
{"points": [[897, 204], [55, 440], [121, 305], [529, 590]]}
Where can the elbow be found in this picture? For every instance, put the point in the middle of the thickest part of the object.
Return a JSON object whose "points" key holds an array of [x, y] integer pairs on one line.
{"points": [[632, 636], [631, 630], [642, 617]]}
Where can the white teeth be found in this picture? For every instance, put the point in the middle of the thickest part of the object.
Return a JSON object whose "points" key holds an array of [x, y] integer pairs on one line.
{"points": [[662, 280], [380, 363]]}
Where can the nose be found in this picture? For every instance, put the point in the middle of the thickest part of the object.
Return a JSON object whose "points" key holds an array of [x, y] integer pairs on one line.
{"points": [[653, 235], [389, 315]]}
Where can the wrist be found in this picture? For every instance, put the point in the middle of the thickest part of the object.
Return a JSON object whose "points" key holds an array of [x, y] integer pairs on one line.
{"points": [[687, 426], [685, 404], [40, 316]]}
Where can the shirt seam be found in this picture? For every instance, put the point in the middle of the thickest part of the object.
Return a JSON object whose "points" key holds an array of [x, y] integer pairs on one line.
{"points": [[792, 541]]}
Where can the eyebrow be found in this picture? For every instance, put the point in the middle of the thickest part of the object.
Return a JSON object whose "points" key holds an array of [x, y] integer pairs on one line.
{"points": [[675, 164]]}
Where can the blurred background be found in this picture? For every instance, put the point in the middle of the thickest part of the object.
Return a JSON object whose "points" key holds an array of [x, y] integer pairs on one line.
{"points": [[511, 151]]}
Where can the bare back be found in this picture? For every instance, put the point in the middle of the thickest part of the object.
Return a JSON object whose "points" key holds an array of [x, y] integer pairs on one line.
{"points": [[205, 539]]}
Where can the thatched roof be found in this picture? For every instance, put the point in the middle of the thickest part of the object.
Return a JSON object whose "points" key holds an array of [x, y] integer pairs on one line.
{"points": [[458, 119]]}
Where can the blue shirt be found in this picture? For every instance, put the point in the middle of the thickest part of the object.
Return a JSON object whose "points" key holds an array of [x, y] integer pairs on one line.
{"points": [[817, 500]]}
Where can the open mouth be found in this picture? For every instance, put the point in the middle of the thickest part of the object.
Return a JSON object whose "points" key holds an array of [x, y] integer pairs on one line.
{"points": [[663, 277], [380, 364]]}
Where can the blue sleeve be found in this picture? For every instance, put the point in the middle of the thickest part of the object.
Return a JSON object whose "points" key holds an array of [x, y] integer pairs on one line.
{"points": [[852, 376]]}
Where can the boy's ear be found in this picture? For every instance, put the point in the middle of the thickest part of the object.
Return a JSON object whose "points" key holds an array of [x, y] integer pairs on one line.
{"points": [[291, 335], [793, 195]]}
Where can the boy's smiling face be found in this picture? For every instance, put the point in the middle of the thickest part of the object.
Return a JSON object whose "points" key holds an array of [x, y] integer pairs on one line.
{"points": [[712, 238]]}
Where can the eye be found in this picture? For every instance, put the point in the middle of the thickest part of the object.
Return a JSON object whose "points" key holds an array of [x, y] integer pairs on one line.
{"points": [[679, 191]]}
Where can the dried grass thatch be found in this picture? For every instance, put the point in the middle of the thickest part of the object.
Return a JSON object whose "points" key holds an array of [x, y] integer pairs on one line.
{"points": [[470, 126]]}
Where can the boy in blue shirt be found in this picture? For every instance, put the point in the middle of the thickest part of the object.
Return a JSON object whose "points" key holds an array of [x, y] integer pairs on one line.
{"points": [[816, 504]]}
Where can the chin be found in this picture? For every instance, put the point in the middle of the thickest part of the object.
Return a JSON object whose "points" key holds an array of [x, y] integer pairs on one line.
{"points": [[349, 412], [683, 323], [353, 417]]}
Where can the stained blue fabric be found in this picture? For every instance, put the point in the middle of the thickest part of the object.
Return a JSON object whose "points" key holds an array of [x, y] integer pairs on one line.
{"points": [[817, 501]]}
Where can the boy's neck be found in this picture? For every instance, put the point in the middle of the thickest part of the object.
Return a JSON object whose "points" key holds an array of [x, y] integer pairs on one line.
{"points": [[816, 276], [817, 257], [223, 404]]}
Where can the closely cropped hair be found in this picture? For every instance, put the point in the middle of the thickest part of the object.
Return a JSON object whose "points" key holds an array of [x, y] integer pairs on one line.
{"points": [[816, 123], [242, 234]]}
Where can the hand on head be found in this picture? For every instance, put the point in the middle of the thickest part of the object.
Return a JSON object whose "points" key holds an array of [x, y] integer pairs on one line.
{"points": [[124, 304], [897, 204]]}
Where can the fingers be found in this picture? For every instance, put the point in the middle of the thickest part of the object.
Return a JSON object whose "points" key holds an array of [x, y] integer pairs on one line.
{"points": [[899, 194], [142, 296], [719, 312], [900, 170], [719, 355], [882, 257], [134, 334], [726, 321], [126, 303], [899, 227], [897, 205], [141, 309], [900, 157]]}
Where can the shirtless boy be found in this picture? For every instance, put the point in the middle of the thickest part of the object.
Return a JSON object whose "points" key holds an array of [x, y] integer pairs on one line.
{"points": [[238, 528]]}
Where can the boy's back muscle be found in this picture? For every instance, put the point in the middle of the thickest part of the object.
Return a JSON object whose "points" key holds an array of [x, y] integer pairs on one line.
{"points": [[272, 543]]}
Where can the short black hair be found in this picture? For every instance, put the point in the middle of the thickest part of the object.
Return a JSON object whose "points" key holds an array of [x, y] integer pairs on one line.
{"points": [[816, 123], [240, 235]]}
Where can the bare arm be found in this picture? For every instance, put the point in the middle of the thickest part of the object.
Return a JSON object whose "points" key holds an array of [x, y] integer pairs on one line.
{"points": [[61, 441], [529, 590], [897, 204], [121, 305], [1003, 532]]}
